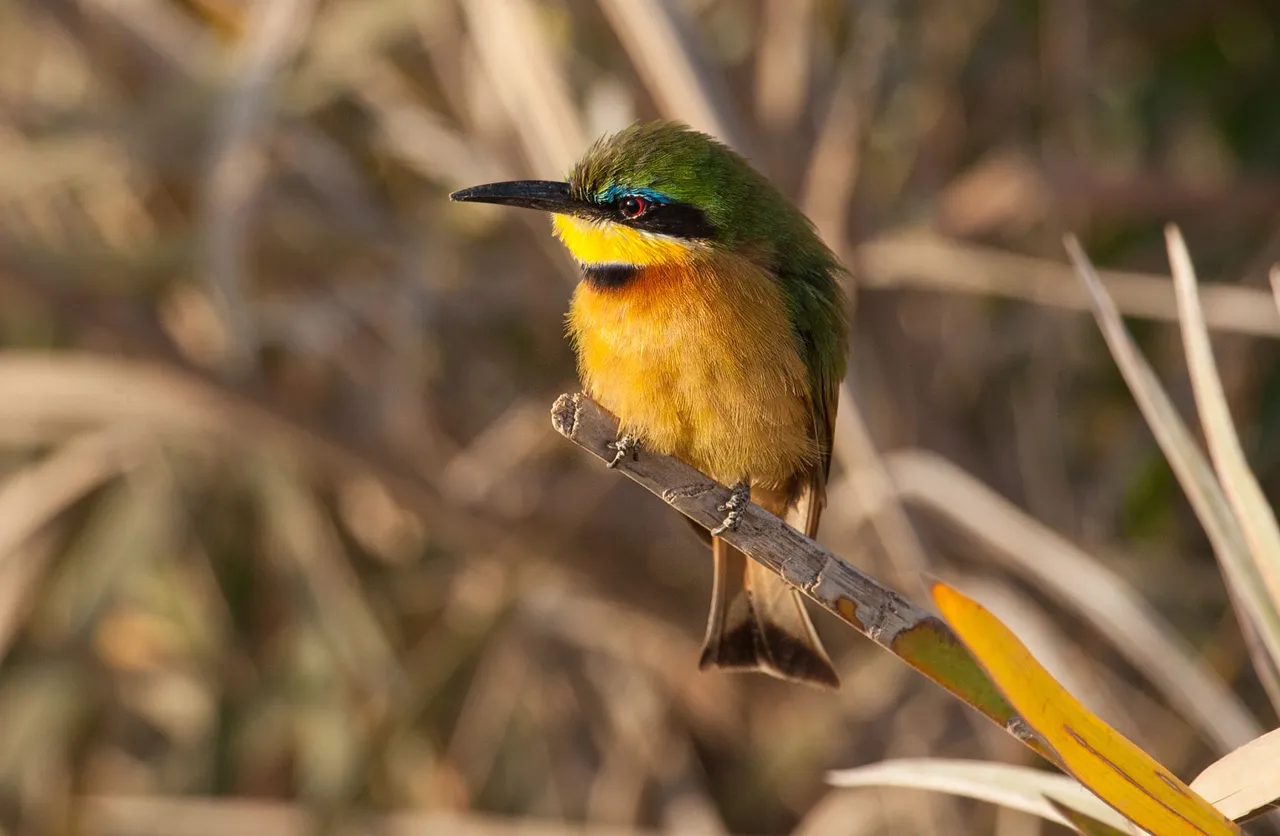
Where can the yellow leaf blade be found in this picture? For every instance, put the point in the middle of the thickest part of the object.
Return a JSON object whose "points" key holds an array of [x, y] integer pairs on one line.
{"points": [[1097, 755]]}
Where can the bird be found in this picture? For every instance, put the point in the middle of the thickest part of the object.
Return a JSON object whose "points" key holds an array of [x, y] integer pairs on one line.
{"points": [[711, 321]]}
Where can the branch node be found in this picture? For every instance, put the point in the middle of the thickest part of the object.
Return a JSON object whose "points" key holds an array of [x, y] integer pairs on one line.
{"points": [[670, 495], [1019, 728], [883, 620], [799, 573], [564, 414]]}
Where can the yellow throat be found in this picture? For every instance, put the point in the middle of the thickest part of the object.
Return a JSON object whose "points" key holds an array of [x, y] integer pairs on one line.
{"points": [[603, 242]]}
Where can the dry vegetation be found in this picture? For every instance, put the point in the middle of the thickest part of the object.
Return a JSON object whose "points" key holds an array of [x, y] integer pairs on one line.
{"points": [[287, 542]]}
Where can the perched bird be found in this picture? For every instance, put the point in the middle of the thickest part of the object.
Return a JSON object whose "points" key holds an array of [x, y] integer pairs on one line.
{"points": [[711, 322]]}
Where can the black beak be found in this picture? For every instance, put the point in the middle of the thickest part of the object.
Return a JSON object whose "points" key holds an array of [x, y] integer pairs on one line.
{"points": [[545, 195]]}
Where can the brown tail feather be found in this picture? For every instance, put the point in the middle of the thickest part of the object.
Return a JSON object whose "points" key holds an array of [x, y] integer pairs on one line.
{"points": [[758, 623]]}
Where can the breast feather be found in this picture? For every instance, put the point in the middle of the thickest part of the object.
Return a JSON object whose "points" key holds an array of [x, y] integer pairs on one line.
{"points": [[699, 360]]}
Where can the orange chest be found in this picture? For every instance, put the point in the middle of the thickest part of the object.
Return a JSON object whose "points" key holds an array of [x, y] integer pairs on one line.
{"points": [[700, 362]]}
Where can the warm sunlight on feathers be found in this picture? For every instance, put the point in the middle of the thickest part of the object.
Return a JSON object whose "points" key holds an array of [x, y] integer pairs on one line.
{"points": [[601, 242], [688, 358]]}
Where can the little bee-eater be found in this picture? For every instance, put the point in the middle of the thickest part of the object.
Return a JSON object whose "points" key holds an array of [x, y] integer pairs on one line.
{"points": [[710, 321]]}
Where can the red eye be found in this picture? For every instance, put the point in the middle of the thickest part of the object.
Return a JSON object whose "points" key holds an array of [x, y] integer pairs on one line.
{"points": [[632, 207]]}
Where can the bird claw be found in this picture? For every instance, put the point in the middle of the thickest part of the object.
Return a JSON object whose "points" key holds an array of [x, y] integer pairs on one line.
{"points": [[625, 445], [734, 505]]}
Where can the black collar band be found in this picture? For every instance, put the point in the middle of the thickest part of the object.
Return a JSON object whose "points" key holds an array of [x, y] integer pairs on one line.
{"points": [[609, 276]]}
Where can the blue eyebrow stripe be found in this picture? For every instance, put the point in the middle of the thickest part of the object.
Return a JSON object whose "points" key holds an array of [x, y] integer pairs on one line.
{"points": [[614, 192]]}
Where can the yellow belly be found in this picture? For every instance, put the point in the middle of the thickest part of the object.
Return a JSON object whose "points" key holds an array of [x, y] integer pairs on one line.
{"points": [[698, 361]]}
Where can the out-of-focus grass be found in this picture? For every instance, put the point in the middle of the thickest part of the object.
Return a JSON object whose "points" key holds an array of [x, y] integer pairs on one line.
{"points": [[285, 536]]}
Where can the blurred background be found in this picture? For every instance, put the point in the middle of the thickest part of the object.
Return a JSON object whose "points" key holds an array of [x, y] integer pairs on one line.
{"points": [[288, 545]]}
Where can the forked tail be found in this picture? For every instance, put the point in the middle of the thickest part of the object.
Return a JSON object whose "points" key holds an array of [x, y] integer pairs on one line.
{"points": [[758, 623]]}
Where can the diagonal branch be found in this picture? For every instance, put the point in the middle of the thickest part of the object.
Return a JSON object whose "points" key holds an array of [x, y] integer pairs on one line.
{"points": [[909, 632]]}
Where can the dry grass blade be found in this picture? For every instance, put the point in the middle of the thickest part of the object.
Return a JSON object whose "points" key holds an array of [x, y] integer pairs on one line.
{"points": [[1016, 787], [20, 577], [274, 33], [44, 707], [1082, 583], [1092, 827], [125, 531], [164, 28], [711, 703], [917, 258], [341, 43], [1245, 782], [846, 814], [168, 816], [837, 153], [35, 495], [783, 63], [341, 612], [531, 86], [493, 457], [420, 138], [493, 696], [1238, 482], [1189, 465], [871, 490], [659, 45], [56, 390], [65, 161]]}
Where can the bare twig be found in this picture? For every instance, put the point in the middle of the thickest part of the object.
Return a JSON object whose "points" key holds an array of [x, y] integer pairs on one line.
{"points": [[914, 635]]}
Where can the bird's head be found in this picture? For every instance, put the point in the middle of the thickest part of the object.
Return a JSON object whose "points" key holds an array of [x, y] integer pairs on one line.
{"points": [[659, 193]]}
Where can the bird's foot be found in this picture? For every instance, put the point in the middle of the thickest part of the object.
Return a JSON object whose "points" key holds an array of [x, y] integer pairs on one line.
{"points": [[625, 445], [734, 505]]}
